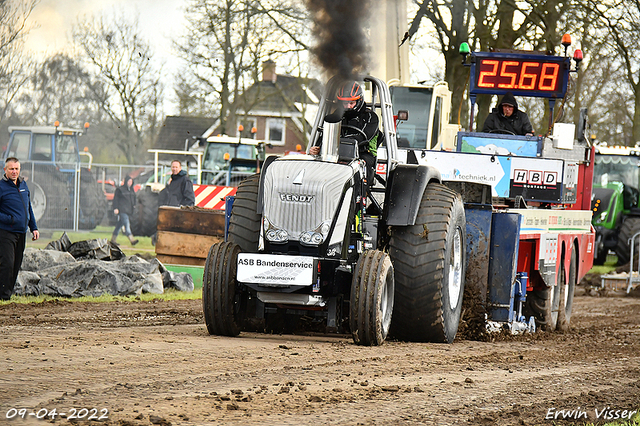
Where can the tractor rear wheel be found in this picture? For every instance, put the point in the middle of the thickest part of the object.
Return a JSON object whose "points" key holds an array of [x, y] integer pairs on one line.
{"points": [[566, 294], [429, 265], [371, 302], [144, 220], [244, 224], [223, 303], [93, 203], [629, 228], [57, 210]]}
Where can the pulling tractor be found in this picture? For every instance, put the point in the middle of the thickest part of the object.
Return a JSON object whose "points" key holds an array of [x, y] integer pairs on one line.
{"points": [[310, 237], [501, 220]]}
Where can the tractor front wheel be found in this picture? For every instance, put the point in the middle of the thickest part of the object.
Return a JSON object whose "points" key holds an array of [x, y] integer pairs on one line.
{"points": [[371, 302], [223, 303]]}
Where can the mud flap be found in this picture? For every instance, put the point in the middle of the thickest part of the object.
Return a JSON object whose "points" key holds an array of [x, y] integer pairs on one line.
{"points": [[474, 302], [503, 262]]}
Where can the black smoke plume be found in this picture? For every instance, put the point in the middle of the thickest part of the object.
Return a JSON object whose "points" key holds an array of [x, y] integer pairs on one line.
{"points": [[338, 26]]}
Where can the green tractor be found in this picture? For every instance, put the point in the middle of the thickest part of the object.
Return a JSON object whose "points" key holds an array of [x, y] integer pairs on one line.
{"points": [[616, 215]]}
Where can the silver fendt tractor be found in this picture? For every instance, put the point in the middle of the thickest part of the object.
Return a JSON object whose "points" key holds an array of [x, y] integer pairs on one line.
{"points": [[309, 238]]}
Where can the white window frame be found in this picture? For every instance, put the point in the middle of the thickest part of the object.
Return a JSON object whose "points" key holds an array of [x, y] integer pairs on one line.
{"points": [[283, 124]]}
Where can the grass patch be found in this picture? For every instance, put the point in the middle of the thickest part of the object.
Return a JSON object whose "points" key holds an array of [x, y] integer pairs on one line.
{"points": [[609, 266], [169, 294]]}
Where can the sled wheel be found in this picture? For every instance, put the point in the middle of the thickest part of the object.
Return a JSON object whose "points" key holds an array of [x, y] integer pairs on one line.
{"points": [[371, 302], [429, 265], [244, 224], [221, 298], [599, 251], [543, 304], [566, 294]]}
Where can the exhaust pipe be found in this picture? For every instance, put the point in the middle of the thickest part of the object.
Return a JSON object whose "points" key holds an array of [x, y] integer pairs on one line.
{"points": [[330, 138]]}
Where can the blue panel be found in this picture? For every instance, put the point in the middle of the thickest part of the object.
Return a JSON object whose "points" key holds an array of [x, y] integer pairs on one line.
{"points": [[478, 233], [493, 143], [503, 261]]}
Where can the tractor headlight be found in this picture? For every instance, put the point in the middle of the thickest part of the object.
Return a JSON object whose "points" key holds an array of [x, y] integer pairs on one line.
{"points": [[602, 217], [274, 234], [317, 236]]}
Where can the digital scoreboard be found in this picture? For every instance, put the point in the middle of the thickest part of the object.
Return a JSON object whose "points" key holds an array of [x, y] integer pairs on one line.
{"points": [[521, 74]]}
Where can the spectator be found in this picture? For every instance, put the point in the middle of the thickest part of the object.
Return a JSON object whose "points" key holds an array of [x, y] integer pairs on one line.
{"points": [[124, 201], [16, 215], [507, 118], [179, 189]]}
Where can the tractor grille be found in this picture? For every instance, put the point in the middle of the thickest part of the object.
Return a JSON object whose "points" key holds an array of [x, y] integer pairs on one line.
{"points": [[304, 205]]}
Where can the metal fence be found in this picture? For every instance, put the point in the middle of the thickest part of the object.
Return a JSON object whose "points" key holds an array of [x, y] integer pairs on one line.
{"points": [[72, 196]]}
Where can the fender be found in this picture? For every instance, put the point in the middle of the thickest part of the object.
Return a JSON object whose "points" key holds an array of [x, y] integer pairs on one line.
{"points": [[404, 192], [264, 166]]}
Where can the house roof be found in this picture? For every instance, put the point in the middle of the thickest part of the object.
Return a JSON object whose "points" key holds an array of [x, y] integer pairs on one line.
{"points": [[177, 129], [283, 94]]}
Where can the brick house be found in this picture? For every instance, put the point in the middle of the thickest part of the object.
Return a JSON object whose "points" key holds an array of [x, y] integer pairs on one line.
{"points": [[280, 108]]}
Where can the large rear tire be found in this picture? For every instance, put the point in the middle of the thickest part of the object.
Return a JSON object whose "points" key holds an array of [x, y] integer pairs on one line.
{"points": [[93, 203], [244, 224], [629, 227], [144, 220], [221, 298], [429, 265], [371, 302], [566, 294], [58, 202]]}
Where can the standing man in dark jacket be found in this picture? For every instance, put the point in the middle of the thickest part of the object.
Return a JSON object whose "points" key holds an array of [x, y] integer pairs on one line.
{"points": [[16, 215], [507, 118], [124, 200], [179, 190]]}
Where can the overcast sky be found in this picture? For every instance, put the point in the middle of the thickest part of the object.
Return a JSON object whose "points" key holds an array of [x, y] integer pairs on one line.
{"points": [[52, 19], [159, 21]]}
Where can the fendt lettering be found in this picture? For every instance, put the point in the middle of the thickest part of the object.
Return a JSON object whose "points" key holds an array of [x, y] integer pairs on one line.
{"points": [[296, 198]]}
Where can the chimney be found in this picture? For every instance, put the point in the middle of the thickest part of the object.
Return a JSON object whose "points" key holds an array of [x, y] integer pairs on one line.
{"points": [[269, 71]]}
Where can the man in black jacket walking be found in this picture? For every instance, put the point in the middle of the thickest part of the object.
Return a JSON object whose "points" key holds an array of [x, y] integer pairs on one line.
{"points": [[507, 118], [124, 201], [16, 215]]}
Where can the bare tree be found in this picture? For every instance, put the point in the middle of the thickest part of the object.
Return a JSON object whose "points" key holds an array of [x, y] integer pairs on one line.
{"points": [[13, 18], [58, 89], [126, 82], [500, 24], [226, 43], [621, 20]]}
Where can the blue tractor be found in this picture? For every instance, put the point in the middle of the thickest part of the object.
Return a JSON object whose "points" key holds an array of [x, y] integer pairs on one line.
{"points": [[62, 187]]}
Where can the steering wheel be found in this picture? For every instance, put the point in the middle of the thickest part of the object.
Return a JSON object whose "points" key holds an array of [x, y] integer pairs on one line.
{"points": [[502, 132], [346, 126]]}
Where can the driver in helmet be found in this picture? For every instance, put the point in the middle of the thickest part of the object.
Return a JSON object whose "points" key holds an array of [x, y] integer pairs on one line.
{"points": [[358, 122], [507, 118]]}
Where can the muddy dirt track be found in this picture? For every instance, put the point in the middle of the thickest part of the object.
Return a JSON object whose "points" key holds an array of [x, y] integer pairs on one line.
{"points": [[154, 363]]}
